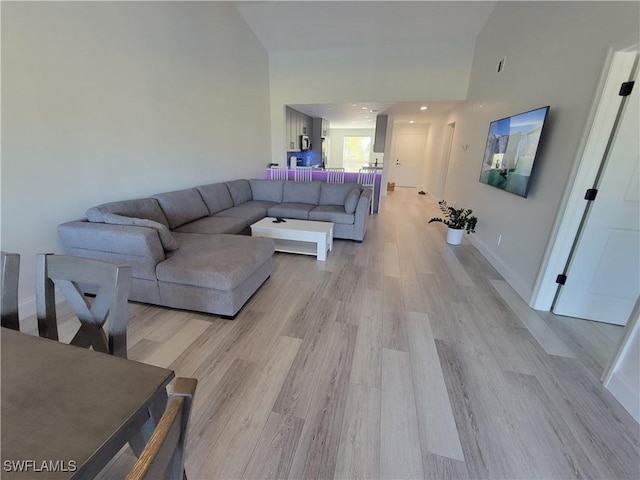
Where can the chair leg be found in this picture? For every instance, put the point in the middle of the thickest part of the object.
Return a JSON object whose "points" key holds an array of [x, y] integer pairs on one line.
{"points": [[10, 274], [45, 300]]}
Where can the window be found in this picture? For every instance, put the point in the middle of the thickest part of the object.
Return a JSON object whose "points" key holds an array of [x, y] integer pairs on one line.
{"points": [[356, 152]]}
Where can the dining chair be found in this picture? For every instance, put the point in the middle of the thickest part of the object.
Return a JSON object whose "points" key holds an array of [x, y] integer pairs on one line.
{"points": [[10, 267], [303, 174], [367, 178], [73, 276], [163, 456], [279, 173], [335, 175]]}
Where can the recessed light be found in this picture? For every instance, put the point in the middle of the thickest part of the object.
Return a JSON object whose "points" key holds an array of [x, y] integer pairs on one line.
{"points": [[424, 107], [354, 104], [412, 121], [365, 108]]}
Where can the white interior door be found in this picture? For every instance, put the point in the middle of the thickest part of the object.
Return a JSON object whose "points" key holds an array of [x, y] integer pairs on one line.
{"points": [[407, 161], [603, 279]]}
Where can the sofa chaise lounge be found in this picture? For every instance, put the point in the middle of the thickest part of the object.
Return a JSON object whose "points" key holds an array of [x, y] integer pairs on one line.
{"points": [[189, 249]]}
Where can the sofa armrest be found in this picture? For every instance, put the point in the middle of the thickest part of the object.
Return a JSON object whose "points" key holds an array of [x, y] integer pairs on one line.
{"points": [[128, 240], [362, 214]]}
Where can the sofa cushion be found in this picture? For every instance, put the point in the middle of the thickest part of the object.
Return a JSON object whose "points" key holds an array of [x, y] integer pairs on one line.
{"points": [[220, 262], [331, 213], [182, 206], [298, 211], [335, 193], [249, 213], [148, 208], [166, 239], [240, 191], [301, 192], [260, 203], [267, 190], [216, 197], [352, 200], [214, 224]]}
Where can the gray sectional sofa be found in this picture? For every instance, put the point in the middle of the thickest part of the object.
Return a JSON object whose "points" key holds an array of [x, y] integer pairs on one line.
{"points": [[186, 247]]}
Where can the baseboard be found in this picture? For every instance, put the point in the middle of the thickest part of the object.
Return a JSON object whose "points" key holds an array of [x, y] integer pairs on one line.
{"points": [[510, 277], [625, 394]]}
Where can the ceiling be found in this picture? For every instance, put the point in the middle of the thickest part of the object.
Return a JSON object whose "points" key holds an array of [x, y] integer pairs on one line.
{"points": [[305, 25], [315, 25]]}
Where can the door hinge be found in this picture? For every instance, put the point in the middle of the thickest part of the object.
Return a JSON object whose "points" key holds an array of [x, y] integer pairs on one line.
{"points": [[561, 279], [591, 194], [626, 88]]}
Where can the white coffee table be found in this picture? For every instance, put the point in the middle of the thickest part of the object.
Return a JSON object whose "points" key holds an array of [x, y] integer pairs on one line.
{"points": [[305, 237]]}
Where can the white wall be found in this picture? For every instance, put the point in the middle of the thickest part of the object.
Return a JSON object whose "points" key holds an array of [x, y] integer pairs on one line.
{"points": [[336, 141], [106, 101], [434, 71], [554, 55]]}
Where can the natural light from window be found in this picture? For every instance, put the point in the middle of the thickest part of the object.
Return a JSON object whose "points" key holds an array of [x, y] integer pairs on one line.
{"points": [[356, 152]]}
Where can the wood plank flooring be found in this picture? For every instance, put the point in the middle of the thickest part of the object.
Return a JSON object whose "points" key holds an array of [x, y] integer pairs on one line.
{"points": [[399, 357]]}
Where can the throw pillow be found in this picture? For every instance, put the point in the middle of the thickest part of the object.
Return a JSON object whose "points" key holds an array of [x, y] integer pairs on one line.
{"points": [[352, 200], [166, 239]]}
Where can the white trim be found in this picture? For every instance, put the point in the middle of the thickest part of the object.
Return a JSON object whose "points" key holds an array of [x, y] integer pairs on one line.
{"points": [[621, 389], [618, 68], [509, 275]]}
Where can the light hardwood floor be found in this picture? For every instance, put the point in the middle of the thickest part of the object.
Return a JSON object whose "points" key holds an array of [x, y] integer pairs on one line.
{"points": [[400, 357]]}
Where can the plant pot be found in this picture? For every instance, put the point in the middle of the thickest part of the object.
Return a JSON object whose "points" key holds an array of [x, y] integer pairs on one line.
{"points": [[454, 236]]}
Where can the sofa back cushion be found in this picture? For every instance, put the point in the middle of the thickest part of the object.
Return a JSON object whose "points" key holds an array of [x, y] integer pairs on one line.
{"points": [[351, 203], [216, 197], [182, 206], [301, 192], [267, 190], [335, 193], [240, 191], [147, 208], [169, 244]]}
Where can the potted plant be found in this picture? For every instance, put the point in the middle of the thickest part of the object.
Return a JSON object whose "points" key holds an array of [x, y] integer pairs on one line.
{"points": [[458, 220]]}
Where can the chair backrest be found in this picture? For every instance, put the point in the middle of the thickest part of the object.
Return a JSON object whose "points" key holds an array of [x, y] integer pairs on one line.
{"points": [[74, 276], [367, 177], [163, 456], [278, 173], [335, 175], [10, 267], [303, 174]]}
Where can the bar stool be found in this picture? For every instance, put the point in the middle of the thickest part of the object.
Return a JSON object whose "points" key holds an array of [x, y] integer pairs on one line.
{"points": [[303, 174], [278, 173], [335, 175], [367, 178]]}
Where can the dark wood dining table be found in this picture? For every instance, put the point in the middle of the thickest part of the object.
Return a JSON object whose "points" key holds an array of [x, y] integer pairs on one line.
{"points": [[66, 410]]}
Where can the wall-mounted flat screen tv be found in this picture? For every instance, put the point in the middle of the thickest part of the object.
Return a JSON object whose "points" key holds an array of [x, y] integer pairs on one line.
{"points": [[511, 150]]}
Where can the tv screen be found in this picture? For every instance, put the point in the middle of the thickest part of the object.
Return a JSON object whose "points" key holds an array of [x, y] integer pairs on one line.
{"points": [[511, 150]]}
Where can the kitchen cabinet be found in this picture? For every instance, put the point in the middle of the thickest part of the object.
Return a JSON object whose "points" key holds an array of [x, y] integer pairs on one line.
{"points": [[381, 133], [296, 124], [320, 139], [325, 128]]}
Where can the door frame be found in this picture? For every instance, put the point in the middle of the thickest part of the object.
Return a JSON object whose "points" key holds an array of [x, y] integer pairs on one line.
{"points": [[416, 129], [619, 67]]}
